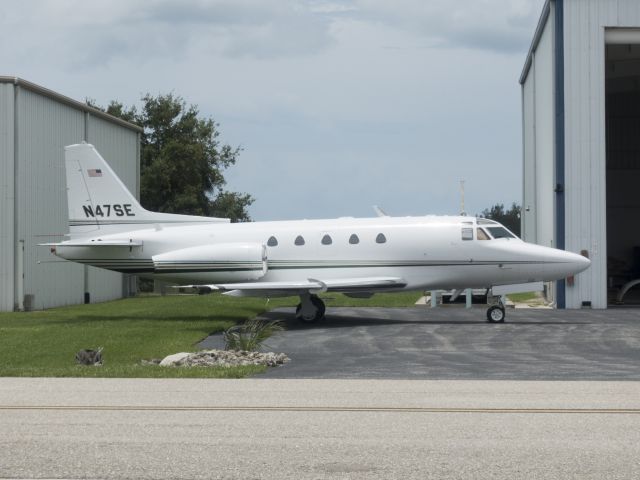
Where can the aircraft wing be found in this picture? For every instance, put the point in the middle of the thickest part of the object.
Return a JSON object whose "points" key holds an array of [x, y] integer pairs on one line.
{"points": [[314, 286]]}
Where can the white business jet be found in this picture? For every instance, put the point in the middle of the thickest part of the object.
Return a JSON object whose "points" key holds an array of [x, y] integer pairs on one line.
{"points": [[356, 256]]}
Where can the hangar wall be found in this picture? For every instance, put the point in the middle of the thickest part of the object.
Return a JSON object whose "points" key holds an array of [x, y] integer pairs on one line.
{"points": [[44, 127], [6, 197], [35, 126], [538, 139], [585, 152], [579, 196], [529, 206], [538, 136]]}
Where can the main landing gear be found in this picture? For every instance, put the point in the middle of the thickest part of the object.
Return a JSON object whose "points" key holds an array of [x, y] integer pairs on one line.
{"points": [[495, 313], [310, 309]]}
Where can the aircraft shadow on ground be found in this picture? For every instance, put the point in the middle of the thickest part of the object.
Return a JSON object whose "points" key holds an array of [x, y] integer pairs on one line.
{"points": [[334, 320]]}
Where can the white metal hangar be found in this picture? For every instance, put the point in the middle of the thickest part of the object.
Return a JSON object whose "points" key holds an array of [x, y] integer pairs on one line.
{"points": [[581, 143], [35, 126]]}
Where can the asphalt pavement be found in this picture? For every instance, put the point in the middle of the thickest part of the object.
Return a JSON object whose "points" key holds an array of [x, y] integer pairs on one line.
{"points": [[318, 429], [458, 344], [376, 394]]}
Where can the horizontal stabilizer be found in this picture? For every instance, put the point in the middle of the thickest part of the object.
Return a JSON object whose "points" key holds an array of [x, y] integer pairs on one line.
{"points": [[95, 243]]}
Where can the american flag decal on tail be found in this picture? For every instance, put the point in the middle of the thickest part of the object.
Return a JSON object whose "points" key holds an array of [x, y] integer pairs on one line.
{"points": [[94, 172]]}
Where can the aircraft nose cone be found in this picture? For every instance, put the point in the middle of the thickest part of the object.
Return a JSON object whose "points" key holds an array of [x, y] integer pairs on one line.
{"points": [[560, 264], [581, 262], [576, 263]]}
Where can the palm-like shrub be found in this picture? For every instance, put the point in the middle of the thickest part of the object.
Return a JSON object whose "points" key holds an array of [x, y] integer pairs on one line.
{"points": [[251, 335]]}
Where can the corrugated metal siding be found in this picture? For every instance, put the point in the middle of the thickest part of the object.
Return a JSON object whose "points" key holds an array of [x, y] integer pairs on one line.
{"points": [[544, 135], [44, 128], [585, 150], [538, 140], [118, 146], [6, 197], [529, 205]]}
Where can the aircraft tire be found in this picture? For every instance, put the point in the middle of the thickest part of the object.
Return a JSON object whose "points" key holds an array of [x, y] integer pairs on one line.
{"points": [[495, 314], [319, 313], [317, 301]]}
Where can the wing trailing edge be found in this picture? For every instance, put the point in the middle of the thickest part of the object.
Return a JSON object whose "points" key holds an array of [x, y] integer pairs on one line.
{"points": [[311, 285]]}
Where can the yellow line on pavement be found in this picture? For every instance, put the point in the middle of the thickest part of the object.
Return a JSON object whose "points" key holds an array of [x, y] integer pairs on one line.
{"points": [[257, 408]]}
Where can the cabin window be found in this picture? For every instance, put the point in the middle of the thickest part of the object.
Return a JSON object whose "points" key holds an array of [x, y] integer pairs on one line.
{"points": [[500, 232], [381, 238], [353, 239], [482, 235], [326, 240], [467, 234], [272, 242], [299, 240]]}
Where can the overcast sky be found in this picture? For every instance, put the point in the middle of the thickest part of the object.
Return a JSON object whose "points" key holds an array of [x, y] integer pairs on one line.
{"points": [[338, 105]]}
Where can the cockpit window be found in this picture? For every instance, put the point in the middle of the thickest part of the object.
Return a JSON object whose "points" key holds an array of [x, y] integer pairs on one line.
{"points": [[467, 234], [482, 235], [500, 232], [485, 221]]}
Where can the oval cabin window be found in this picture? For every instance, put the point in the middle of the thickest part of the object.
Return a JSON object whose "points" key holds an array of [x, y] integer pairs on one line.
{"points": [[354, 240], [299, 240], [272, 242], [326, 240], [381, 238]]}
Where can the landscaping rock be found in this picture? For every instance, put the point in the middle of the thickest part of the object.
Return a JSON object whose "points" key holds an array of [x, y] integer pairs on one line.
{"points": [[173, 360], [89, 357], [225, 358]]}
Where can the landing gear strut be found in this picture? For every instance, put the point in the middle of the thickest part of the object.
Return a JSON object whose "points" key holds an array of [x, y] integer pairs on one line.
{"points": [[310, 309], [495, 313]]}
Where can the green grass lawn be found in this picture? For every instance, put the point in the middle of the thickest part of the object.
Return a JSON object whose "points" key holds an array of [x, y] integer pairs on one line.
{"points": [[44, 343], [522, 297]]}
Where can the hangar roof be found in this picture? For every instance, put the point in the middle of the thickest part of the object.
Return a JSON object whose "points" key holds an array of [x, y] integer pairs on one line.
{"points": [[544, 16], [67, 101]]}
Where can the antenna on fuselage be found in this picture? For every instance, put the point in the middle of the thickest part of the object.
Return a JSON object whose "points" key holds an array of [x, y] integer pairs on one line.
{"points": [[379, 211], [462, 211]]}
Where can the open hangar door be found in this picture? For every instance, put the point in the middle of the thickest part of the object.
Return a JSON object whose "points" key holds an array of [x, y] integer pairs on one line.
{"points": [[622, 88]]}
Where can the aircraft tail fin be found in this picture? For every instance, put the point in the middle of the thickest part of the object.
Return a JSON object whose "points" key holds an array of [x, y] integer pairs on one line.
{"points": [[99, 203]]}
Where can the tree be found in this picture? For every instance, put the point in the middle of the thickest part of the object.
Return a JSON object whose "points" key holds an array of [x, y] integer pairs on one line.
{"points": [[182, 160], [509, 218]]}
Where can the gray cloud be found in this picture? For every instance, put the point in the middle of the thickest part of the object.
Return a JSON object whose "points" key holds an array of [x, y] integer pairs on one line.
{"points": [[262, 29], [98, 32], [493, 25]]}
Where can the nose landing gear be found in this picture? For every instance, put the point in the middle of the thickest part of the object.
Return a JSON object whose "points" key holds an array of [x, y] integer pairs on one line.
{"points": [[496, 313]]}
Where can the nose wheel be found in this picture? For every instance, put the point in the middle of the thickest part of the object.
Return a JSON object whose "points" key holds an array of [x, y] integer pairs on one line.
{"points": [[496, 314]]}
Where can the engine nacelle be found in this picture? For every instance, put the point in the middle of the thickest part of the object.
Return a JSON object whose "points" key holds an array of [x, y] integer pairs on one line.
{"points": [[233, 262]]}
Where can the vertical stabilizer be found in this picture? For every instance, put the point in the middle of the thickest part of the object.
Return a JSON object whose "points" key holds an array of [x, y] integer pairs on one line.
{"points": [[99, 203]]}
